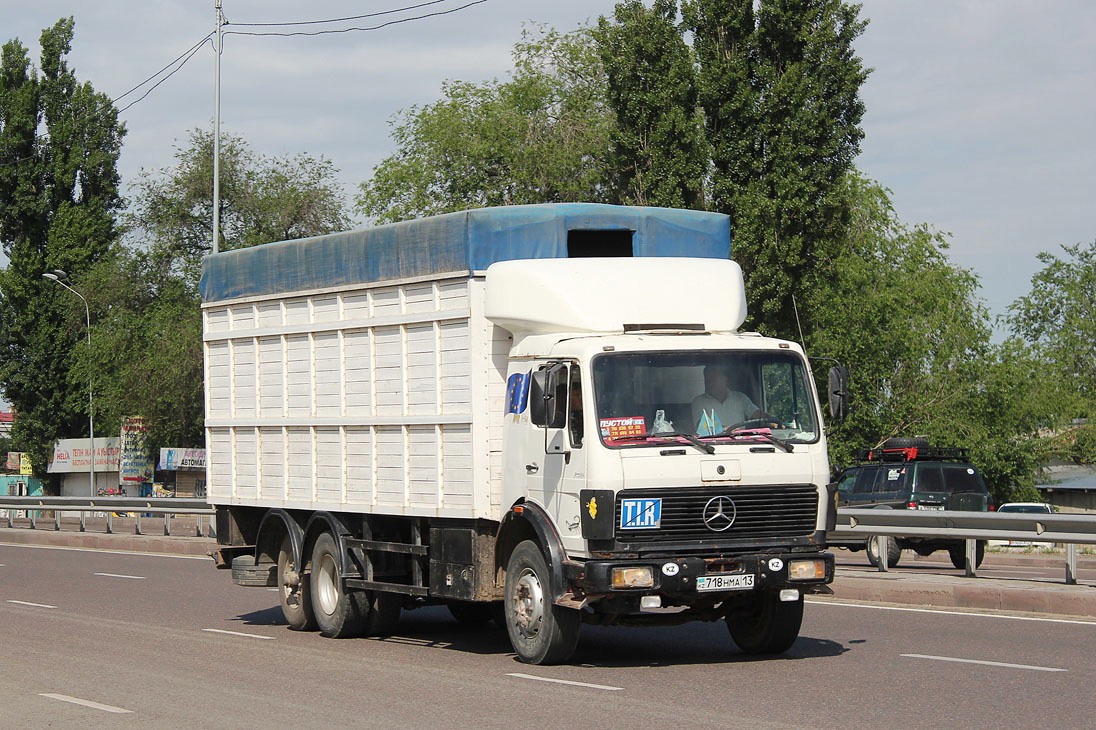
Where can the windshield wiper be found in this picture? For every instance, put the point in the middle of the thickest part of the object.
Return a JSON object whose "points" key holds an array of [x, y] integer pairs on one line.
{"points": [[754, 433], [692, 439]]}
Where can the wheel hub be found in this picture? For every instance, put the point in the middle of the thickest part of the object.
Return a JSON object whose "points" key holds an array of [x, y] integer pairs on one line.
{"points": [[327, 597], [528, 604]]}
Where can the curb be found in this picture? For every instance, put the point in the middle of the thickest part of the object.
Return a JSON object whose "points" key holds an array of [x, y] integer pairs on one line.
{"points": [[974, 593], [159, 544]]}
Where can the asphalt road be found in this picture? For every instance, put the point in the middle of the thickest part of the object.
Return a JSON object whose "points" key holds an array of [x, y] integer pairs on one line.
{"points": [[96, 639]]}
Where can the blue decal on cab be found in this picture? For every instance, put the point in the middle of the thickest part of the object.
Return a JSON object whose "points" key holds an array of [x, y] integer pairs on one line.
{"points": [[517, 393], [640, 514]]}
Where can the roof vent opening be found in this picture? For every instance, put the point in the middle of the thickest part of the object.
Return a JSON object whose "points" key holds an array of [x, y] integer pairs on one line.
{"points": [[599, 244]]}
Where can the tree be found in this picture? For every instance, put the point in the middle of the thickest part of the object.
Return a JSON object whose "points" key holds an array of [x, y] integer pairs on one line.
{"points": [[779, 84], [659, 153], [541, 137], [147, 345], [263, 199], [917, 325], [1058, 318], [915, 337], [59, 147]]}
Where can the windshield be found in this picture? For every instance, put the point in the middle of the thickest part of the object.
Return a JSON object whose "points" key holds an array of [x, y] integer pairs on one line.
{"points": [[704, 393]]}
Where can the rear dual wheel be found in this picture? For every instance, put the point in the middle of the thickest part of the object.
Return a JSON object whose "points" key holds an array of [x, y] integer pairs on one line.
{"points": [[294, 593], [342, 613]]}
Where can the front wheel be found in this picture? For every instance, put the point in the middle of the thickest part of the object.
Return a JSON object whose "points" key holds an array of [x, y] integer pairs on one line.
{"points": [[540, 631], [958, 554], [765, 624], [894, 550], [339, 613]]}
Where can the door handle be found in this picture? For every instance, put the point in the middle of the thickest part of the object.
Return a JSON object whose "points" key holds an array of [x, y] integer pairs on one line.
{"points": [[532, 468]]}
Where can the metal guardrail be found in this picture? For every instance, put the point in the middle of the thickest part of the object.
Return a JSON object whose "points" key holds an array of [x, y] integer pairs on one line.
{"points": [[165, 506], [1067, 528]]}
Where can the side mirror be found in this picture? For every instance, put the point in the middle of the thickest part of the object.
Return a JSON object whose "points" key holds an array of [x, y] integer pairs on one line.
{"points": [[548, 397], [839, 394], [538, 386]]}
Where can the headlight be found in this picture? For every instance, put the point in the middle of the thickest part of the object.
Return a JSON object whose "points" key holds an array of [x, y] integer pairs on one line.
{"points": [[636, 577], [806, 569]]}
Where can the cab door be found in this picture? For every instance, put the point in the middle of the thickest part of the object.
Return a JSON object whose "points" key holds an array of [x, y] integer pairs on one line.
{"points": [[556, 445]]}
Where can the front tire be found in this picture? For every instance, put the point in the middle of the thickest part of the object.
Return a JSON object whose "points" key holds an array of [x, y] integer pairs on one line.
{"points": [[894, 550], [294, 593], [958, 554], [540, 631], [766, 625], [339, 613]]}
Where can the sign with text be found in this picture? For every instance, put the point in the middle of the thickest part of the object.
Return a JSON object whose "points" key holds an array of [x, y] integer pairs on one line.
{"points": [[134, 466], [74, 455], [182, 459]]}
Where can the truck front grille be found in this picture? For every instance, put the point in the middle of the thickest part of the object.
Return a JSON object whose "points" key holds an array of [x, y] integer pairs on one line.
{"points": [[759, 514]]}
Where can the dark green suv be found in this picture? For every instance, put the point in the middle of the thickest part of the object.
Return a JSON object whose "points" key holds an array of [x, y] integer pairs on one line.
{"points": [[910, 474]]}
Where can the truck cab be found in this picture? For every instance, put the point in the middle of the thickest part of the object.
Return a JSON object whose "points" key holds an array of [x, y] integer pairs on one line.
{"points": [[677, 461]]}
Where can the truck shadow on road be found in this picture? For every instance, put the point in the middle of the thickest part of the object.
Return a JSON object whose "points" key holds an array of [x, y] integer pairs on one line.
{"points": [[599, 646]]}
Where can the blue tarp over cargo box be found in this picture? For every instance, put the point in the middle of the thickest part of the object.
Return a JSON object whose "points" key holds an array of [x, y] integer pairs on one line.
{"points": [[457, 242]]}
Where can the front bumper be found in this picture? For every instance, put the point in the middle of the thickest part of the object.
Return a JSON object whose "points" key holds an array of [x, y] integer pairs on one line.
{"points": [[676, 578]]}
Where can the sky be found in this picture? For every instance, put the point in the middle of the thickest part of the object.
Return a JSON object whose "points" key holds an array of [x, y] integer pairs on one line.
{"points": [[981, 114]]}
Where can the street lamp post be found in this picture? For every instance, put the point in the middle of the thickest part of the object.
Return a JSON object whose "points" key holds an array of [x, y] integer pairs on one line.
{"points": [[62, 278]]}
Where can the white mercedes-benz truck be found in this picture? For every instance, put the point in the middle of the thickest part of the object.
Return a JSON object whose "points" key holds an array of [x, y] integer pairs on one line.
{"points": [[545, 415]]}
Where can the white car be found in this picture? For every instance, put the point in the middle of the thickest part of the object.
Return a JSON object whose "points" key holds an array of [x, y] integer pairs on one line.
{"points": [[1027, 508]]}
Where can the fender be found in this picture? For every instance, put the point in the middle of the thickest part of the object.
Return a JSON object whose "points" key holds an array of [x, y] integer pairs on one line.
{"points": [[325, 521], [292, 528], [533, 515]]}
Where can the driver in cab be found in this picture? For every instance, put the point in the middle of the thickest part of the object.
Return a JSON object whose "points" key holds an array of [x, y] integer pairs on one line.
{"points": [[719, 407]]}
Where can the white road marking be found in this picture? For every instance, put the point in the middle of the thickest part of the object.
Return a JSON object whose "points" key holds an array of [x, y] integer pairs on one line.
{"points": [[984, 663], [414, 642], [119, 575], [28, 603], [563, 681], [239, 633], [973, 614], [87, 703]]}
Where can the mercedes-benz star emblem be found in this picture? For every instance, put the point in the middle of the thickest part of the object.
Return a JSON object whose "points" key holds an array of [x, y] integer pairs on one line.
{"points": [[719, 513]]}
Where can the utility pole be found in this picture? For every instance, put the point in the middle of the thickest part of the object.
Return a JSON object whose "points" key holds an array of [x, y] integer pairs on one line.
{"points": [[217, 130]]}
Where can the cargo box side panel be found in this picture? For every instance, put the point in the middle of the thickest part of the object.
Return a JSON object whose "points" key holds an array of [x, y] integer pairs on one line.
{"points": [[359, 399]]}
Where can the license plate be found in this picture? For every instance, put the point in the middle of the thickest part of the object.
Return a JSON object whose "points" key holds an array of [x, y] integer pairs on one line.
{"points": [[739, 582], [930, 507]]}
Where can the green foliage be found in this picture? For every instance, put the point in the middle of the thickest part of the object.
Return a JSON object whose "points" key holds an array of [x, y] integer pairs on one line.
{"points": [[541, 137], [1083, 450], [660, 156], [263, 199], [902, 319], [146, 351], [1058, 317], [147, 347], [779, 83], [59, 146]]}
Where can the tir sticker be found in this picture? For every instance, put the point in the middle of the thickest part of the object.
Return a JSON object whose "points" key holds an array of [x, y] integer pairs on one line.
{"points": [[640, 514], [632, 427]]}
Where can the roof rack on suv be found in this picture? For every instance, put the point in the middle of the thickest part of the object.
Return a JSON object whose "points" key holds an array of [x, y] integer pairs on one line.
{"points": [[914, 453]]}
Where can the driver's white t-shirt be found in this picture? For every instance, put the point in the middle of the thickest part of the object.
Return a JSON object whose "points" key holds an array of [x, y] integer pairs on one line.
{"points": [[735, 408]]}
